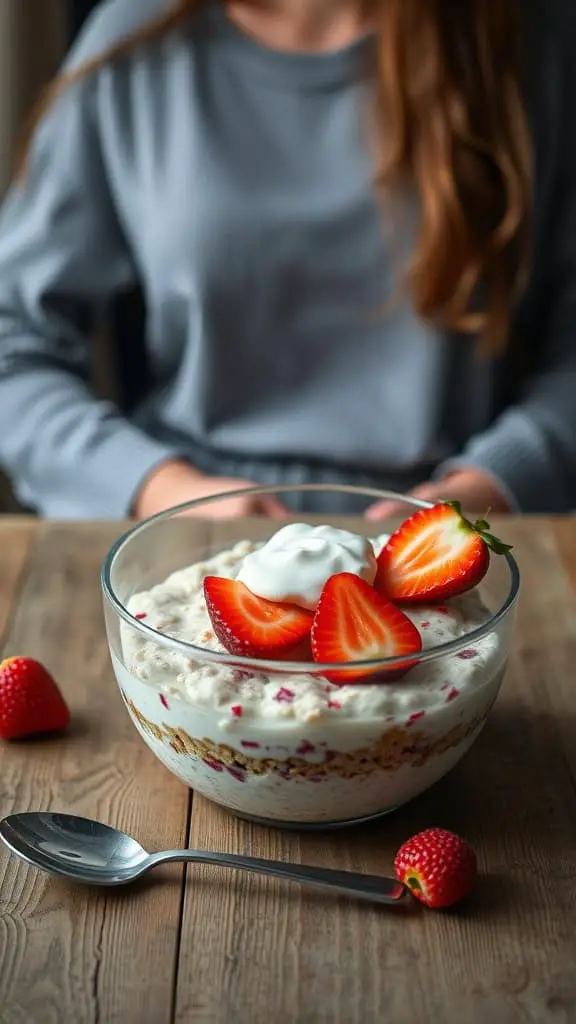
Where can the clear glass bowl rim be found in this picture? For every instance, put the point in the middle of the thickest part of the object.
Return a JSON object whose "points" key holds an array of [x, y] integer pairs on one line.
{"points": [[294, 667]]}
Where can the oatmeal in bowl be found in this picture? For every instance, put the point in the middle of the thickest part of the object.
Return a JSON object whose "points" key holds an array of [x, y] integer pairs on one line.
{"points": [[312, 674]]}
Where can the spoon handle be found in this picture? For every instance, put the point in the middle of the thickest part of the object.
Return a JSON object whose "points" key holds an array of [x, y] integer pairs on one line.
{"points": [[369, 887]]}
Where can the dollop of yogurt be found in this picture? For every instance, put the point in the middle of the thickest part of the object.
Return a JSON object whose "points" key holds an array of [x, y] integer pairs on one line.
{"points": [[296, 562]]}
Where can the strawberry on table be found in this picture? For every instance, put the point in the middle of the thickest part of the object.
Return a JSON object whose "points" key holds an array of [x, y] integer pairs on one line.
{"points": [[30, 701], [354, 623], [438, 867], [252, 626], [435, 554]]}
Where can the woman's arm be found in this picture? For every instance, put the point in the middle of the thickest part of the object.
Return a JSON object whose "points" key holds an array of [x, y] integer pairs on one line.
{"points": [[530, 451], [62, 253], [527, 460]]}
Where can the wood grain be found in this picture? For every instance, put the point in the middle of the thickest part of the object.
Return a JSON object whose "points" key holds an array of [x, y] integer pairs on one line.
{"points": [[67, 954], [18, 536], [270, 952], [249, 950], [564, 531]]}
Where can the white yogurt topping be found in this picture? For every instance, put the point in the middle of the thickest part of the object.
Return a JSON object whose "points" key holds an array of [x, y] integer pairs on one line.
{"points": [[297, 561]]}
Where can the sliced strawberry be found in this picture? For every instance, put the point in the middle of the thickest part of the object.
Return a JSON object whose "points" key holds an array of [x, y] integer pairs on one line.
{"points": [[252, 626], [354, 623], [434, 555]]}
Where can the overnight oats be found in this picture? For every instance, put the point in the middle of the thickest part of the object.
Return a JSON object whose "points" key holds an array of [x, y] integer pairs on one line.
{"points": [[312, 675]]}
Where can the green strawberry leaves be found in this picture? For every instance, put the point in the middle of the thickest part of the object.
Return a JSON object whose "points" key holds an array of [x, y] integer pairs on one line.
{"points": [[482, 528]]}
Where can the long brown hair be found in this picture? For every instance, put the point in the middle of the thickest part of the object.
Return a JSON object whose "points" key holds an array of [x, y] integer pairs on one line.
{"points": [[451, 124]]}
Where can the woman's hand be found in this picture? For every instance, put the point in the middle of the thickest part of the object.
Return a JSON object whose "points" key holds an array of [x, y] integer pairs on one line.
{"points": [[476, 491], [175, 482]]}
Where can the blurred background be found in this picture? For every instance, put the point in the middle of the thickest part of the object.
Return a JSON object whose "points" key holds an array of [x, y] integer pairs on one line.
{"points": [[34, 37]]}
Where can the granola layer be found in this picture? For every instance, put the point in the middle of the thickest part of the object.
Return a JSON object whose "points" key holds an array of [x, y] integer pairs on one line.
{"points": [[396, 747]]}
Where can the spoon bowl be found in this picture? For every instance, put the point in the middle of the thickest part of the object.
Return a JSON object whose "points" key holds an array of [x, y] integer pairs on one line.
{"points": [[92, 853], [75, 848]]}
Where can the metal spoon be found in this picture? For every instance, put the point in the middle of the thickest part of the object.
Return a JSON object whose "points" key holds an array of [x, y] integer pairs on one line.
{"points": [[89, 852]]}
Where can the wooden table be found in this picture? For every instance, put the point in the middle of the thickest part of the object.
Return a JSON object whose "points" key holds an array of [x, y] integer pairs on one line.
{"points": [[219, 948]]}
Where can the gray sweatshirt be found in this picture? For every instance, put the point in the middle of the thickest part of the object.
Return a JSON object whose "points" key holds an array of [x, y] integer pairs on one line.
{"points": [[232, 184]]}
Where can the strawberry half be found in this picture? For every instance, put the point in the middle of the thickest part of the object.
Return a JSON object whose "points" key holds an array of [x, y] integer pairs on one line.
{"points": [[251, 626], [30, 701], [435, 554], [354, 623], [438, 867]]}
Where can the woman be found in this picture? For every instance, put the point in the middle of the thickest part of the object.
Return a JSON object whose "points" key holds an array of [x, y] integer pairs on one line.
{"points": [[354, 225]]}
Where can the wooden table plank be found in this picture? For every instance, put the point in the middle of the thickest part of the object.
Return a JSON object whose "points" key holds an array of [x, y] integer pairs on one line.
{"points": [[67, 954], [255, 950], [547, 640], [16, 541], [564, 530]]}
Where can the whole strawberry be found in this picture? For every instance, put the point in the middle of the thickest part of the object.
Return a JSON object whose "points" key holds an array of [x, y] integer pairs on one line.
{"points": [[30, 701], [438, 867]]}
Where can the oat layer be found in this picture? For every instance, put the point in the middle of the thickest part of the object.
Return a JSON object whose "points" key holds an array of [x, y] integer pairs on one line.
{"points": [[394, 748]]}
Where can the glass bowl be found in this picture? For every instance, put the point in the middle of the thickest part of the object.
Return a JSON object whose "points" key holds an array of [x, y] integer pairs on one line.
{"points": [[275, 741]]}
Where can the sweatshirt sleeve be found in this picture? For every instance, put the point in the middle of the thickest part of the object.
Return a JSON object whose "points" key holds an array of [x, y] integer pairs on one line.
{"points": [[531, 449], [62, 254]]}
